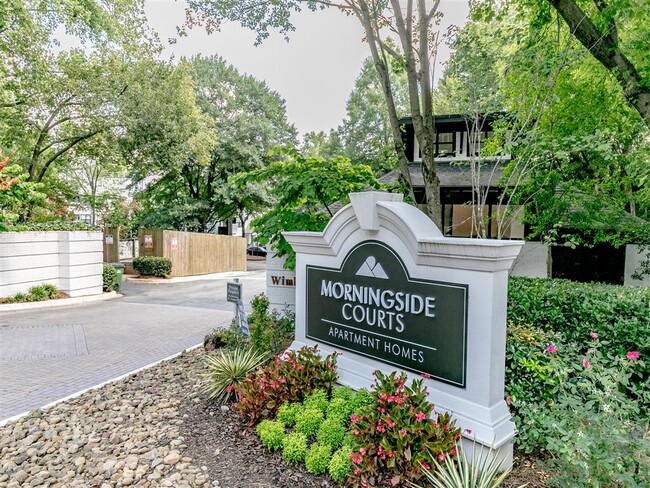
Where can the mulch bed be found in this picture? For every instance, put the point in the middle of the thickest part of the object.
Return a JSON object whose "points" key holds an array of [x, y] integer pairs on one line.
{"points": [[218, 439]]}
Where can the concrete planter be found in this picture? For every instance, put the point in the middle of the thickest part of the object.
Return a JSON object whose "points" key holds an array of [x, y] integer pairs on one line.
{"points": [[69, 260]]}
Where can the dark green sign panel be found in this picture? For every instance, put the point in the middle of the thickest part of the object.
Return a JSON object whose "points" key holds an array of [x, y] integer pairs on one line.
{"points": [[371, 306]]}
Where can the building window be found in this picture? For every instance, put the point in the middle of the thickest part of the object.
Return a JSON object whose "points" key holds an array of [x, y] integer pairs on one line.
{"points": [[445, 144], [457, 221]]}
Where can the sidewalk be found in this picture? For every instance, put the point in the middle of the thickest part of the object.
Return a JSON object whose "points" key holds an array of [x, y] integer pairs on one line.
{"points": [[75, 348]]}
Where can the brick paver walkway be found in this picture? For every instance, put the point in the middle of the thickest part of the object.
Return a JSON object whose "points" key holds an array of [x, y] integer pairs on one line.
{"points": [[150, 323]]}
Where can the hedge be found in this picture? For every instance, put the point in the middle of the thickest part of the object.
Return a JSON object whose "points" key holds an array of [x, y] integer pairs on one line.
{"points": [[619, 315], [153, 266]]}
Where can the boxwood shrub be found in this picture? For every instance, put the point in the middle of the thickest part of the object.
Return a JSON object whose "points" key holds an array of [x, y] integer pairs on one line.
{"points": [[153, 266]]}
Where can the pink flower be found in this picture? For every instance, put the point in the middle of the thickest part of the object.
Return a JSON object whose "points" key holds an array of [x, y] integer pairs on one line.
{"points": [[552, 349], [593, 335], [586, 364], [441, 457], [633, 355], [426, 466], [363, 451], [419, 417], [426, 376], [468, 431], [356, 432], [353, 418]]}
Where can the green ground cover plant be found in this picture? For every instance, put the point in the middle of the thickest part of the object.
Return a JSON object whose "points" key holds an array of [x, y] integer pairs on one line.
{"points": [[340, 465], [271, 434], [36, 293], [318, 458], [294, 447], [153, 266]]}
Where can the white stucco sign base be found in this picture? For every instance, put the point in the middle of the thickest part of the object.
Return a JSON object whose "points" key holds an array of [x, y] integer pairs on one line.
{"points": [[384, 287]]}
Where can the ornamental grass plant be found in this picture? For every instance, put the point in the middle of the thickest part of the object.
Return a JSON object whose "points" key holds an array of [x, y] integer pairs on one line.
{"points": [[227, 369]]}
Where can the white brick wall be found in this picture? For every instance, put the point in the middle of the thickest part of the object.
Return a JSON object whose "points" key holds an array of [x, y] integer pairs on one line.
{"points": [[71, 261]]}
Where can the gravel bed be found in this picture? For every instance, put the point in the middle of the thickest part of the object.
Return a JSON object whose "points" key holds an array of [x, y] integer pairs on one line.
{"points": [[126, 433]]}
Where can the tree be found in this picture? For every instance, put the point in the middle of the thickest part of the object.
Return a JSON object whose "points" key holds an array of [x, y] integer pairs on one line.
{"points": [[366, 130], [415, 31], [581, 156], [231, 123], [616, 33], [17, 195], [307, 190]]}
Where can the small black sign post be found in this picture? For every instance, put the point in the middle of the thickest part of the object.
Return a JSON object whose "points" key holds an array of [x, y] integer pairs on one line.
{"points": [[234, 295]]}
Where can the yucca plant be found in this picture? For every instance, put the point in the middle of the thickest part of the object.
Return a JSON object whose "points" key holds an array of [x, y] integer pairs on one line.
{"points": [[227, 369], [481, 470]]}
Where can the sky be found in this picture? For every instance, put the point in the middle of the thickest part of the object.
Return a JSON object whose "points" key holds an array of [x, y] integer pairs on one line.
{"points": [[314, 72]]}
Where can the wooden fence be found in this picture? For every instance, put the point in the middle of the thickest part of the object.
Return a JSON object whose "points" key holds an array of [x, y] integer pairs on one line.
{"points": [[192, 253]]}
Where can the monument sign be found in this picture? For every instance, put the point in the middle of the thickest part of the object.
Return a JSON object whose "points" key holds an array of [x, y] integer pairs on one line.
{"points": [[382, 285]]}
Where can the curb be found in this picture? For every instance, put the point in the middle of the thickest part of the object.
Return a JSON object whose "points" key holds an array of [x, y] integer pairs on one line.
{"points": [[99, 385], [184, 279], [62, 302]]}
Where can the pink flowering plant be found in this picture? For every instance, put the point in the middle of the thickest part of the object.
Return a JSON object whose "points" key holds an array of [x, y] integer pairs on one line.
{"points": [[289, 378], [395, 437]]}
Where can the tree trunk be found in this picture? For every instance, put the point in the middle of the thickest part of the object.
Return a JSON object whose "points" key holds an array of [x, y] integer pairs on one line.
{"points": [[381, 66], [604, 46]]}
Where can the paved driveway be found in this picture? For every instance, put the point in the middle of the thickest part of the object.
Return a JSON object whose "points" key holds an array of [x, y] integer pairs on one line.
{"points": [[52, 353]]}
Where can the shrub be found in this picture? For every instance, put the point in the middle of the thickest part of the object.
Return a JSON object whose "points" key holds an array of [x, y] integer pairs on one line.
{"points": [[287, 412], [331, 432], [592, 429], [339, 410], [342, 392], [36, 293], [621, 314], [316, 399], [340, 466], [109, 277], [271, 434], [226, 369], [308, 421], [59, 225], [318, 458], [392, 435], [153, 266], [291, 377], [269, 330], [42, 292], [294, 447], [361, 398]]}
